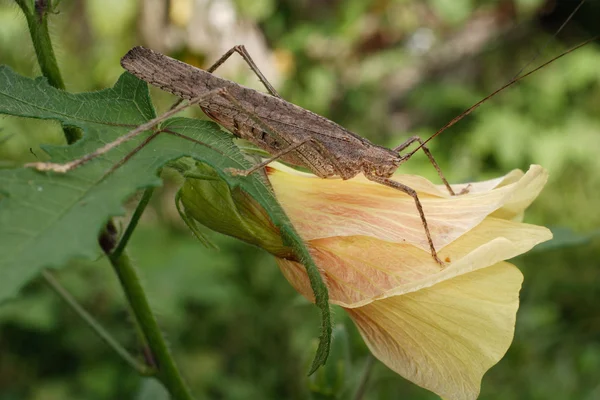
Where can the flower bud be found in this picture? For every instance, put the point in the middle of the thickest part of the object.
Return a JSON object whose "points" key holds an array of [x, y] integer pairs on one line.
{"points": [[210, 201]]}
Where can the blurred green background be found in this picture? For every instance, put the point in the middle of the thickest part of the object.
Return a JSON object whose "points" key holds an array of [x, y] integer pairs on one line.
{"points": [[386, 69]]}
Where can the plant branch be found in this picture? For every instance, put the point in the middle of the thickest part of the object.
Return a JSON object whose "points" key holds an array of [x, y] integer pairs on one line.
{"points": [[168, 373], [95, 325], [36, 15], [37, 21], [135, 218]]}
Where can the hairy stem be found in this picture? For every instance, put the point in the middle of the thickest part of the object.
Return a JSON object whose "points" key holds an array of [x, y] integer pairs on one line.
{"points": [[168, 373], [135, 218], [118, 251], [36, 15]]}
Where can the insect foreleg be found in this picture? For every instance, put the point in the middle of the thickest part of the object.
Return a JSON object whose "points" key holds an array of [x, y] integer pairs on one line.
{"points": [[431, 160], [411, 192]]}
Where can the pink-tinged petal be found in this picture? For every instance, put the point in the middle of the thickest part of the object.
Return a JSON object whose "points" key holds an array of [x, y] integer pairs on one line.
{"points": [[485, 186], [358, 269], [444, 338], [321, 208], [419, 183]]}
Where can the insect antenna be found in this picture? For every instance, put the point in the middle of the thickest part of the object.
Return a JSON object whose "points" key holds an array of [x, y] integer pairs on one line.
{"points": [[518, 77], [550, 39], [495, 92]]}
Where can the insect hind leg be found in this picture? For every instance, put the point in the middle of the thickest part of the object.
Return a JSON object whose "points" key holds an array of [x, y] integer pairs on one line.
{"points": [[66, 167], [431, 160], [291, 146], [241, 50]]}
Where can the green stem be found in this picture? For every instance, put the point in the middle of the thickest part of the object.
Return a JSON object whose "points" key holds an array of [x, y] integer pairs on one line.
{"points": [[95, 325], [135, 218], [36, 15], [37, 21], [120, 248], [168, 373]]}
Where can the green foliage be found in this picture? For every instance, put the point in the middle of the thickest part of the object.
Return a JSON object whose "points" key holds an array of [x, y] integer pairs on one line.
{"points": [[61, 216]]}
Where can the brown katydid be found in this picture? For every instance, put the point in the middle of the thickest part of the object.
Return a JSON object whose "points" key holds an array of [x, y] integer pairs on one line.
{"points": [[285, 130], [288, 132]]}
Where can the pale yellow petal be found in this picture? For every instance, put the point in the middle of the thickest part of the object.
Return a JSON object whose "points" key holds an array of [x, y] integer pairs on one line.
{"points": [[321, 208], [360, 269], [444, 338]]}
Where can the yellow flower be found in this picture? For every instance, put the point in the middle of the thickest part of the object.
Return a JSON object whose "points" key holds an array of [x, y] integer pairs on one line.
{"points": [[441, 328]]}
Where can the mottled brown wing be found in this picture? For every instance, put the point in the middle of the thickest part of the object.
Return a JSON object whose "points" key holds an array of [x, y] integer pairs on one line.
{"points": [[189, 82]]}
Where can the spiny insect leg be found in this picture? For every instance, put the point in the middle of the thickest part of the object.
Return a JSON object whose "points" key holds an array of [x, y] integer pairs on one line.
{"points": [[280, 136], [280, 154], [411, 192], [66, 167], [128, 156], [266, 162], [241, 50]]}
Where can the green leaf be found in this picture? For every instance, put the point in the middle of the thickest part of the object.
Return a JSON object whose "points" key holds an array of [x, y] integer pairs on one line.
{"points": [[47, 219]]}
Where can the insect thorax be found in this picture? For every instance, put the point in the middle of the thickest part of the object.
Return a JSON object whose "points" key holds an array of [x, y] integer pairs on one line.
{"points": [[379, 161]]}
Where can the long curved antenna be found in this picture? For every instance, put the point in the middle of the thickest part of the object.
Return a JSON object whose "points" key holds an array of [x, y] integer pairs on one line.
{"points": [[510, 83], [541, 50]]}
